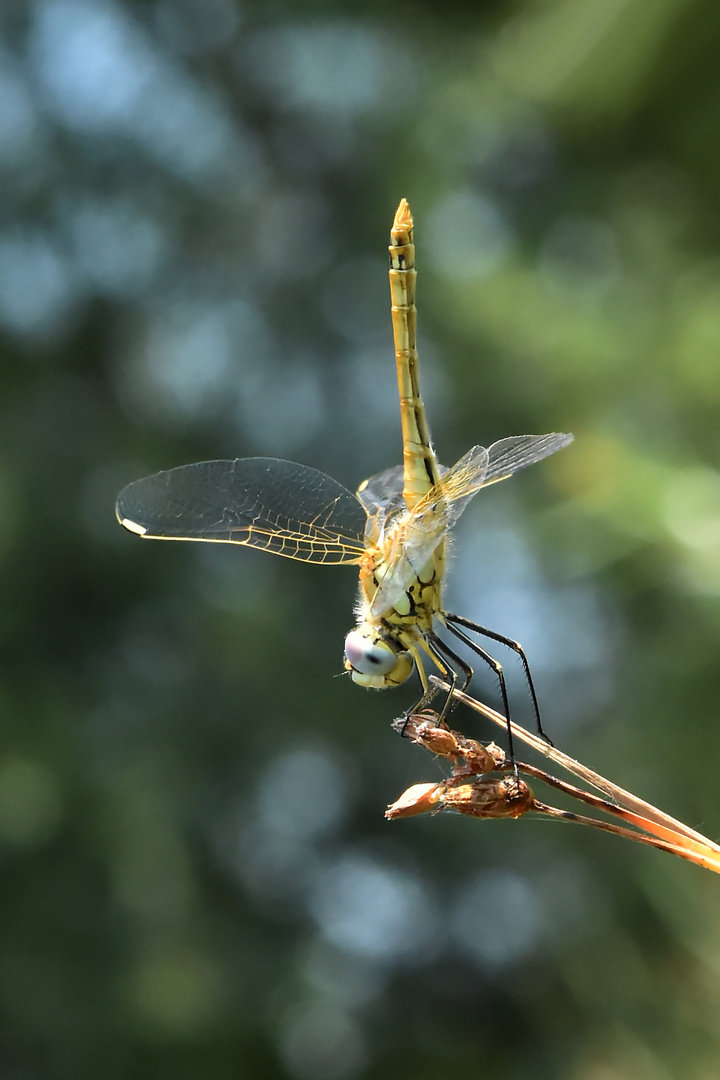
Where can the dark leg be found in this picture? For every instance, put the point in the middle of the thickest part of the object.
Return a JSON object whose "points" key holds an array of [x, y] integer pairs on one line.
{"points": [[441, 647], [495, 666], [426, 697], [454, 621]]}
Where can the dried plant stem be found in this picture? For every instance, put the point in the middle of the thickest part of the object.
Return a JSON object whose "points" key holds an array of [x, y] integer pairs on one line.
{"points": [[470, 790]]}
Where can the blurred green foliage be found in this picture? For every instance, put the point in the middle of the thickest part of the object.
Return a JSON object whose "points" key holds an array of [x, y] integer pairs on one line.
{"points": [[196, 876]]}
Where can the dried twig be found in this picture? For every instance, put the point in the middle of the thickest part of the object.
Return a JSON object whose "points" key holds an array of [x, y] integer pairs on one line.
{"points": [[470, 790]]}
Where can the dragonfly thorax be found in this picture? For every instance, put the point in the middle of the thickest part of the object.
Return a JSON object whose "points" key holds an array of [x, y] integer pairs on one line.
{"points": [[375, 660]]}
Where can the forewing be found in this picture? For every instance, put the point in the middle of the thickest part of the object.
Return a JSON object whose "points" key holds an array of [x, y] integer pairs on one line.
{"points": [[479, 468], [438, 511], [382, 493], [508, 456], [266, 503], [442, 506], [382, 497], [415, 539]]}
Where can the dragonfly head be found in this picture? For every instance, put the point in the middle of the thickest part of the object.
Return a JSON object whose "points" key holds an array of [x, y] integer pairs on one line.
{"points": [[375, 661]]}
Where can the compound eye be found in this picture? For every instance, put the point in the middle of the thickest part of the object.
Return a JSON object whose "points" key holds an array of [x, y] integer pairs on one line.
{"points": [[369, 657]]}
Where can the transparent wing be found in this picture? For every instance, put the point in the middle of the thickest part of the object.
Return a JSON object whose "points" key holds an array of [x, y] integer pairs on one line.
{"points": [[443, 504], [439, 510], [414, 540], [383, 493], [266, 503], [382, 497], [508, 456]]}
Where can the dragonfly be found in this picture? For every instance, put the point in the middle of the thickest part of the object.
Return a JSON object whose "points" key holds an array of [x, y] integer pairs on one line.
{"points": [[395, 528]]}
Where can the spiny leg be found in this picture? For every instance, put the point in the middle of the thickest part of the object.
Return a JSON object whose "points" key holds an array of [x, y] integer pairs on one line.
{"points": [[441, 648], [492, 663], [436, 649], [516, 648]]}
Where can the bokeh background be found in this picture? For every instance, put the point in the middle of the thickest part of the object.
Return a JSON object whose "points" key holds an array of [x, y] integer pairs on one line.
{"points": [[196, 878]]}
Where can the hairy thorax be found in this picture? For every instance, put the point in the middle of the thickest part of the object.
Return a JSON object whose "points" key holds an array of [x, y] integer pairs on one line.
{"points": [[414, 606]]}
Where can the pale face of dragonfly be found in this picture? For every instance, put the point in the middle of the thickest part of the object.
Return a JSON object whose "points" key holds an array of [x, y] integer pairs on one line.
{"points": [[300, 513]]}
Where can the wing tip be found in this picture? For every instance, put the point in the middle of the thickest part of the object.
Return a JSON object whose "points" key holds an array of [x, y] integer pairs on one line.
{"points": [[132, 526]]}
